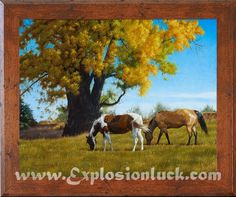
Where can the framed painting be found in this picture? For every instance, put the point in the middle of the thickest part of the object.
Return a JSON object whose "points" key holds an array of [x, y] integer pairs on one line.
{"points": [[73, 73]]}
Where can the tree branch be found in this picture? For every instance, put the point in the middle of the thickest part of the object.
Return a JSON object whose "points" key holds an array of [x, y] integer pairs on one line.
{"points": [[91, 76], [105, 100], [197, 44], [123, 42], [33, 83], [97, 88], [108, 48], [114, 103], [111, 75], [107, 53], [166, 40]]}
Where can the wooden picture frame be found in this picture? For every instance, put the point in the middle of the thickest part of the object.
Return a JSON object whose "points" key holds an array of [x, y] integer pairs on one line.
{"points": [[11, 11]]}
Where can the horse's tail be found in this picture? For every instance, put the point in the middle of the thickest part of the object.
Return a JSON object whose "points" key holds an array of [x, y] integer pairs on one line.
{"points": [[201, 121], [141, 126]]}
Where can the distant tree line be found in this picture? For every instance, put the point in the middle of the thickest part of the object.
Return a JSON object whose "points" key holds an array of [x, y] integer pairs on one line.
{"points": [[62, 112], [208, 108], [26, 116], [27, 119]]}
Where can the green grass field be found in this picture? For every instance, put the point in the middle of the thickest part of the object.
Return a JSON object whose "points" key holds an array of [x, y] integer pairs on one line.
{"points": [[60, 155]]}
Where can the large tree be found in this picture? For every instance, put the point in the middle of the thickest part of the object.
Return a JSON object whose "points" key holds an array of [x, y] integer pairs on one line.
{"points": [[74, 58]]}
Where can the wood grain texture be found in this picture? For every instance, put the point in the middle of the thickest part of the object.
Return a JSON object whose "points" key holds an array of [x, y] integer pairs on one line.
{"points": [[11, 96], [223, 11], [176, 2], [224, 96], [119, 11], [120, 188], [233, 12], [1, 95]]}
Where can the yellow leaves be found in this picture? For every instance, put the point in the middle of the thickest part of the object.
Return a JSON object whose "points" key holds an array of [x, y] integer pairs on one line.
{"points": [[71, 83], [52, 55], [136, 49], [136, 32], [172, 23], [168, 68], [83, 38], [139, 76], [144, 87], [54, 94], [199, 31], [195, 23], [153, 69], [179, 45], [182, 32], [65, 81], [73, 55]]}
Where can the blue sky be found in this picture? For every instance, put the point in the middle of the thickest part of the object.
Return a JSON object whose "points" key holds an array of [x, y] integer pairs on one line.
{"points": [[193, 86]]}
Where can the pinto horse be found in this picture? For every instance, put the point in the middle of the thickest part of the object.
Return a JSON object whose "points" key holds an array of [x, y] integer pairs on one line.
{"points": [[117, 124], [176, 119]]}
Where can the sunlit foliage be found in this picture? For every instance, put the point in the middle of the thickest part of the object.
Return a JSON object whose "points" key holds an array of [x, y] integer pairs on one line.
{"points": [[128, 50]]}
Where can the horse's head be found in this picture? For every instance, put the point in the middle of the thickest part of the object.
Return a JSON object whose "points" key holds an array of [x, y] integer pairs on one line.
{"points": [[91, 141], [149, 135]]}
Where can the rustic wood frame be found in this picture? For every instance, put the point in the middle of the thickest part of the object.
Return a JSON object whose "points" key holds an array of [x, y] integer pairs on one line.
{"points": [[11, 11]]}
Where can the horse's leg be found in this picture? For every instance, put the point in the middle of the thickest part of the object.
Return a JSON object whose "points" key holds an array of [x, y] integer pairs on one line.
{"points": [[108, 138], [140, 137], [159, 137], [134, 133], [167, 136], [195, 134], [104, 142], [189, 129], [135, 143]]}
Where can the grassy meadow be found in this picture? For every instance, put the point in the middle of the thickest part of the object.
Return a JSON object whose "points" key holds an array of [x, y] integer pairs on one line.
{"points": [[64, 153]]}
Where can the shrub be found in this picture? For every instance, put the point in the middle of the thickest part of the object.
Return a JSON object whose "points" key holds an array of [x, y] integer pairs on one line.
{"points": [[26, 116], [135, 109], [158, 107], [208, 108], [62, 114]]}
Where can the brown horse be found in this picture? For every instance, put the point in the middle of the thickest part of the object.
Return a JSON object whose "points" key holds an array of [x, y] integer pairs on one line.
{"points": [[116, 124], [176, 119]]}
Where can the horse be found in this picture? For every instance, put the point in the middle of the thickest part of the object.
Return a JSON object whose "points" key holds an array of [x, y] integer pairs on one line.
{"points": [[176, 119], [116, 124]]}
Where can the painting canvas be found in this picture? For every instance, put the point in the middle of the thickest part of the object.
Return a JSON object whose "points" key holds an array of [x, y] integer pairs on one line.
{"points": [[121, 96]]}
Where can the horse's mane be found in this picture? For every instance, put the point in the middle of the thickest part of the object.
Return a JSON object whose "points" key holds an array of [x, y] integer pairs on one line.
{"points": [[151, 120]]}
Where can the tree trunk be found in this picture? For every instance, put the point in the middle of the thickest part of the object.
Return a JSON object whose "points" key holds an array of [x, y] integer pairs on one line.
{"points": [[80, 115], [84, 108]]}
